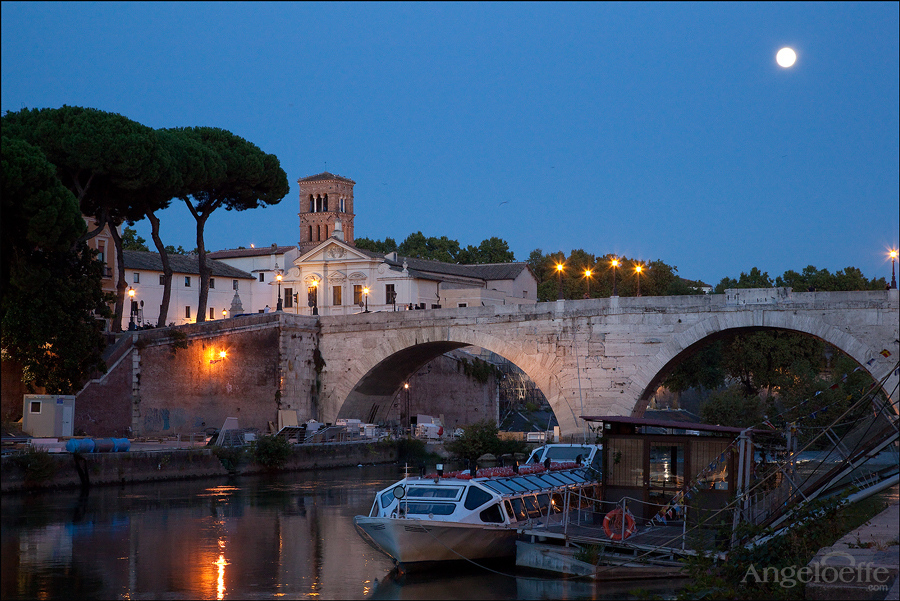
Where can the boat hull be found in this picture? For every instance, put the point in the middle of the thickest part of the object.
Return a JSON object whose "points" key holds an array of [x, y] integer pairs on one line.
{"points": [[410, 541]]}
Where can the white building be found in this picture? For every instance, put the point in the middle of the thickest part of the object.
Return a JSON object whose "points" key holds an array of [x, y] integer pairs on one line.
{"points": [[144, 274]]}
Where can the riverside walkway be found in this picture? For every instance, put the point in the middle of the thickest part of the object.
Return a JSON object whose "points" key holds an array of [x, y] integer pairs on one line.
{"points": [[873, 546]]}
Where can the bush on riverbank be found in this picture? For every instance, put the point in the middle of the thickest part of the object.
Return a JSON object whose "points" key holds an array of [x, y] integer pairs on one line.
{"points": [[819, 525]]}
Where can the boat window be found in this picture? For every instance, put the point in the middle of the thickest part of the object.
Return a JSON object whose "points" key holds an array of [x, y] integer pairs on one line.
{"points": [[426, 508], [519, 509], [531, 506], [374, 511], [477, 497], [492, 515], [434, 492], [568, 478], [536, 482], [387, 498], [515, 486], [499, 487], [553, 479], [509, 510], [544, 503]]}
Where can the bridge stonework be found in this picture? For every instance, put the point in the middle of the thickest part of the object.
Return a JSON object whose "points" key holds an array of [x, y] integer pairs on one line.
{"points": [[589, 357]]}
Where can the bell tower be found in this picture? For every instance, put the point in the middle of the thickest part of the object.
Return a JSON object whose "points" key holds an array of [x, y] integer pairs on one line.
{"points": [[325, 199]]}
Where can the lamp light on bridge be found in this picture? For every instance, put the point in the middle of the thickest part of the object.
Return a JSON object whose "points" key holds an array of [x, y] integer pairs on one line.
{"points": [[221, 357], [637, 270], [615, 265], [559, 270], [893, 255], [408, 416], [587, 276], [366, 295]]}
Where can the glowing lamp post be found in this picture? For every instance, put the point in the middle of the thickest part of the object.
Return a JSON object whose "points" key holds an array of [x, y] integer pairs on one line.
{"points": [[131, 293], [408, 416], [615, 264], [587, 276], [279, 275], [559, 270], [312, 293], [637, 270], [893, 255], [366, 295]]}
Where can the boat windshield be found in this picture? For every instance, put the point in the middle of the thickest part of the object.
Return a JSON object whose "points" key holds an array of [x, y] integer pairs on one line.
{"points": [[567, 453], [434, 492]]}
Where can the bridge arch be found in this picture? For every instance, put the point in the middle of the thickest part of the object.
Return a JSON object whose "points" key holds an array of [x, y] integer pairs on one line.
{"points": [[386, 367], [710, 328]]}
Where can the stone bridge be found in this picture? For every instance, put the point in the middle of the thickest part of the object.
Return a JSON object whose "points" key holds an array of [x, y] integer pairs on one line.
{"points": [[589, 357]]}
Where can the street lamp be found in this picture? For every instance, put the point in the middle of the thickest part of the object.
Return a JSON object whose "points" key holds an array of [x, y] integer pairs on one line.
{"points": [[587, 275], [408, 417], [313, 296], [279, 274], [559, 270], [131, 293], [366, 294], [893, 255], [615, 264], [637, 270]]}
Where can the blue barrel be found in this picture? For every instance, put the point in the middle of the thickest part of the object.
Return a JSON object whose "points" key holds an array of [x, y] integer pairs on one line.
{"points": [[80, 445], [122, 444]]}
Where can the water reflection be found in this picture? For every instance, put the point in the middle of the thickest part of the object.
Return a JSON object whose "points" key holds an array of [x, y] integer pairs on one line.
{"points": [[289, 535]]}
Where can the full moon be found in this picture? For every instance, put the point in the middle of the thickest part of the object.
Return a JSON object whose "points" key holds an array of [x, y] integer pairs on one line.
{"points": [[786, 57]]}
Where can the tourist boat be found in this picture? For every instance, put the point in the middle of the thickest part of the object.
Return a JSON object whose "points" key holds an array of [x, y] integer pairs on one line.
{"points": [[455, 516]]}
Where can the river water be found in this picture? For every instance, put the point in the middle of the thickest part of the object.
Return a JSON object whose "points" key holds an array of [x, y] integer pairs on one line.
{"points": [[286, 535]]}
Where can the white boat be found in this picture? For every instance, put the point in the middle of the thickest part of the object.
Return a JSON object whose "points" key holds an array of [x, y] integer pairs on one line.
{"points": [[457, 517]]}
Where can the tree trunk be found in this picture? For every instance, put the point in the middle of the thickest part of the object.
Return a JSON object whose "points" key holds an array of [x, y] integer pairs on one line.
{"points": [[167, 270], [121, 284], [204, 270]]}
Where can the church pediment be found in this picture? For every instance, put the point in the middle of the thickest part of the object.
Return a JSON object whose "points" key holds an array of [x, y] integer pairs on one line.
{"points": [[332, 250]]}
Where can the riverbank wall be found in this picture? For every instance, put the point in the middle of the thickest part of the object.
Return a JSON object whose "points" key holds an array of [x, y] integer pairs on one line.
{"points": [[35, 471]]}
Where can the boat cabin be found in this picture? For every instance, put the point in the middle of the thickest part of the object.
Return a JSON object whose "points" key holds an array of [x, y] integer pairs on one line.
{"points": [[655, 461]]}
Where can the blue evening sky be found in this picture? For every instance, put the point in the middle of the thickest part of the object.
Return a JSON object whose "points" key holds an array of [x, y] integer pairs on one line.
{"points": [[657, 131]]}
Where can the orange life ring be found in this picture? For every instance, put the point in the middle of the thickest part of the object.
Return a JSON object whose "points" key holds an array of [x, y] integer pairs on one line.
{"points": [[612, 525]]}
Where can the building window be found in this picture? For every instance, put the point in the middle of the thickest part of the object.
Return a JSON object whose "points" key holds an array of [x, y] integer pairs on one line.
{"points": [[357, 294], [312, 204], [234, 284], [212, 314], [101, 251], [462, 305], [187, 312], [137, 278], [390, 295], [262, 276], [288, 298], [310, 233], [342, 205], [325, 204], [187, 281], [34, 407], [336, 299], [212, 283], [162, 279]]}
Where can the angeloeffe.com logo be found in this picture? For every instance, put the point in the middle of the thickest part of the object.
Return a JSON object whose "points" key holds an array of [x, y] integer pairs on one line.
{"points": [[844, 571]]}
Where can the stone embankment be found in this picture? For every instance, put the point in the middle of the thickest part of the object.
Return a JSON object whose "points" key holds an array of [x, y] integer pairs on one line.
{"points": [[149, 463]]}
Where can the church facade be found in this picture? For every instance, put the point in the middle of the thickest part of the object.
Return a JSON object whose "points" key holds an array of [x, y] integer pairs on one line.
{"points": [[326, 274]]}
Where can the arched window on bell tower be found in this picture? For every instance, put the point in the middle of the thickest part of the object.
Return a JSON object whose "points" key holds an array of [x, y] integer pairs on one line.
{"points": [[325, 203], [312, 204]]}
